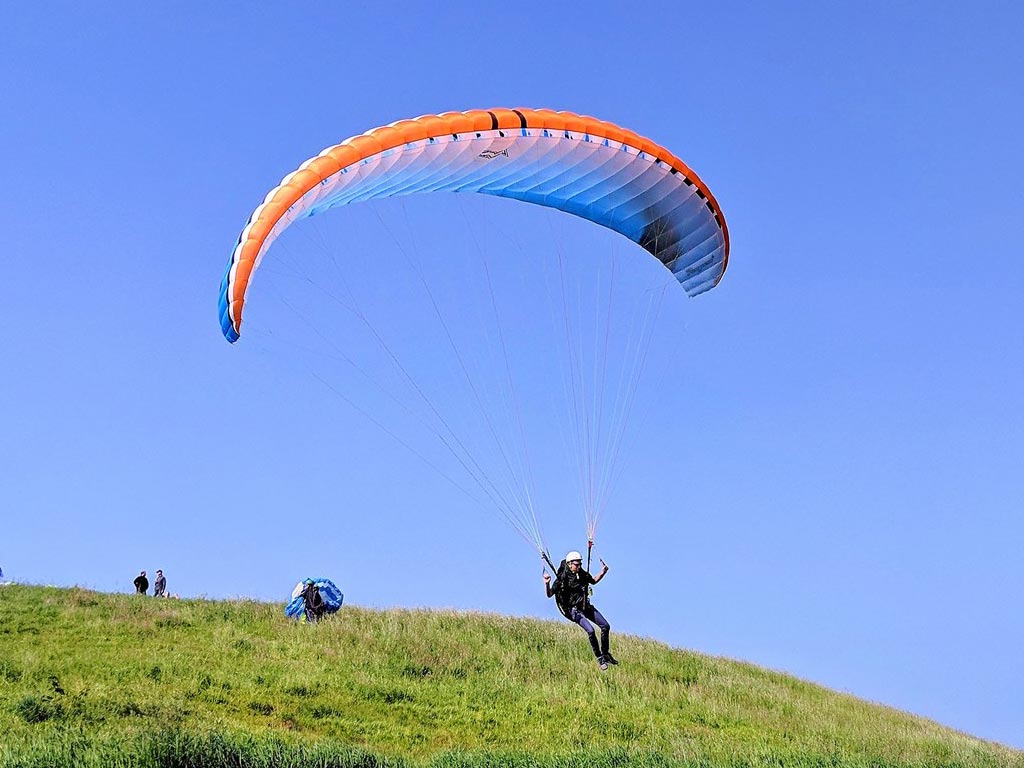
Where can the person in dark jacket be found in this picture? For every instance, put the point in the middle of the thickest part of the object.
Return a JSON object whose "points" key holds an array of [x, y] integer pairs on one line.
{"points": [[571, 590], [159, 584], [313, 600], [141, 583]]}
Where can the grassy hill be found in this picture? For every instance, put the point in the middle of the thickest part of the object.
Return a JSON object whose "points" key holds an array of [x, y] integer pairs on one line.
{"points": [[91, 679]]}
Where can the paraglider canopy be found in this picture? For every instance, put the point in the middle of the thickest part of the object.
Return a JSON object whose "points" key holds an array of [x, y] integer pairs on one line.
{"points": [[581, 165]]}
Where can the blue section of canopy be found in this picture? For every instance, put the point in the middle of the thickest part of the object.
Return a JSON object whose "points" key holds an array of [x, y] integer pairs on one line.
{"points": [[294, 608], [222, 308]]}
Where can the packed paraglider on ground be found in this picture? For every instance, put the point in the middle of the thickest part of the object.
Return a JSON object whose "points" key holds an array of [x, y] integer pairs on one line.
{"points": [[313, 599]]}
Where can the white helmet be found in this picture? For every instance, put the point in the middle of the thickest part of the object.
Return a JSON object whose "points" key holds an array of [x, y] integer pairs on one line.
{"points": [[574, 555]]}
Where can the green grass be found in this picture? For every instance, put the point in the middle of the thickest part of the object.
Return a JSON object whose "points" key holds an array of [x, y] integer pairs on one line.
{"points": [[90, 679]]}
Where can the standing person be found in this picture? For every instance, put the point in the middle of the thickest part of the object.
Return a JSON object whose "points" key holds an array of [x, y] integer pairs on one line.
{"points": [[314, 601], [570, 590], [141, 584], [159, 584]]}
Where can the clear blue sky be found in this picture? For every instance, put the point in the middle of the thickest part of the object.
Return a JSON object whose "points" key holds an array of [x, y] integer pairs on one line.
{"points": [[831, 477]]}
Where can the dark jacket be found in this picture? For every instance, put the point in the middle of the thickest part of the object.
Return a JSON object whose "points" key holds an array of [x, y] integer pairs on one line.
{"points": [[159, 586], [314, 601], [141, 584], [571, 589]]}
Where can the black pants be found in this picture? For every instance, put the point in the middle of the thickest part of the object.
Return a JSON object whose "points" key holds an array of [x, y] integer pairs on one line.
{"points": [[590, 612]]}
